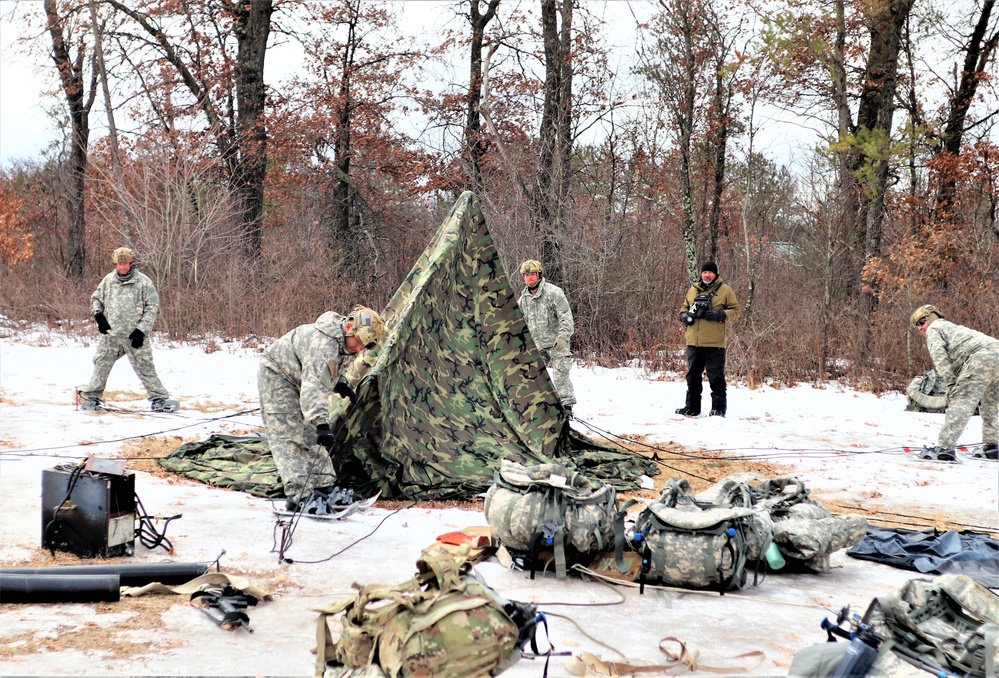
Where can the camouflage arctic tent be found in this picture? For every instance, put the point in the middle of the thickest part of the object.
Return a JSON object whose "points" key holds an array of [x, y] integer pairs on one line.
{"points": [[458, 384]]}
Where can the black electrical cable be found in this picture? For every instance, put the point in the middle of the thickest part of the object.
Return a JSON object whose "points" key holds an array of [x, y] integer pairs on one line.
{"points": [[352, 544]]}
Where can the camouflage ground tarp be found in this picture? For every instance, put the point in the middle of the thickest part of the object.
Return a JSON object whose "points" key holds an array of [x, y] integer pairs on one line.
{"points": [[459, 384], [235, 462]]}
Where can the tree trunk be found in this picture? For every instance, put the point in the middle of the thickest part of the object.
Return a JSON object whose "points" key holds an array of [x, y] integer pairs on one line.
{"points": [[79, 102], [253, 26], [877, 107], [552, 173], [474, 148]]}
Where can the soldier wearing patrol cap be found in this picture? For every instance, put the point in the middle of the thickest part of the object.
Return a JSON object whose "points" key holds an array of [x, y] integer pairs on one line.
{"points": [[300, 376], [968, 361], [124, 307], [549, 319]]}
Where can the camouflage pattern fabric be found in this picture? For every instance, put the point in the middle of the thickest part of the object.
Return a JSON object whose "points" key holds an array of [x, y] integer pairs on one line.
{"points": [[927, 393], [128, 302], [442, 622], [235, 462], [953, 619], [804, 530], [549, 318], [457, 384], [296, 378], [968, 361], [693, 544], [553, 500]]}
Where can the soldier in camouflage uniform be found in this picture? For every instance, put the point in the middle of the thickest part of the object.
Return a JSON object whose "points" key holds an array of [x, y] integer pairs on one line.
{"points": [[124, 307], [969, 363], [299, 376], [549, 320]]}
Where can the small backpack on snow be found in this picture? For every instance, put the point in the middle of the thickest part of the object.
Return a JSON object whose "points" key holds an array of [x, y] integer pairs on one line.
{"points": [[550, 506], [444, 621]]}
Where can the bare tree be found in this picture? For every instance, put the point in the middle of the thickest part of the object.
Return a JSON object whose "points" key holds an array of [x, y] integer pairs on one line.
{"points": [[239, 130]]}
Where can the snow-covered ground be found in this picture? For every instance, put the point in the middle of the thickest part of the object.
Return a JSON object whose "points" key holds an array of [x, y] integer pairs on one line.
{"points": [[845, 445]]}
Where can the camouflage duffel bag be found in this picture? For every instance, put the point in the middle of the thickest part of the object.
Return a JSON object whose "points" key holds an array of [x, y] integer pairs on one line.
{"points": [[952, 618], [550, 506], [444, 621], [689, 543]]}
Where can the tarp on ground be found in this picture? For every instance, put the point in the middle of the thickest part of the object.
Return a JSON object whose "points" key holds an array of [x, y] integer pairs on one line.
{"points": [[459, 384], [931, 551]]}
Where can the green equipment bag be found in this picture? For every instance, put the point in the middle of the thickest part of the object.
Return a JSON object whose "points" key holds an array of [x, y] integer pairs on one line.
{"points": [[944, 626], [804, 530], [444, 621], [691, 544], [951, 618], [550, 507]]}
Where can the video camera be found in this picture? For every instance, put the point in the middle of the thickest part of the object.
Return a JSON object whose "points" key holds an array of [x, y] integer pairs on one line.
{"points": [[701, 305]]}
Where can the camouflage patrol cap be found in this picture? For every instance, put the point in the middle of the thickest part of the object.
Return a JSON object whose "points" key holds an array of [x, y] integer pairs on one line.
{"points": [[925, 311], [122, 255], [367, 326], [531, 266]]}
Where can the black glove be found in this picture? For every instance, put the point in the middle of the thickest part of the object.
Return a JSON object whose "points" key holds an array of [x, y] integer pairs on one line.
{"points": [[344, 390], [103, 326], [686, 318], [717, 316], [324, 436], [137, 336]]}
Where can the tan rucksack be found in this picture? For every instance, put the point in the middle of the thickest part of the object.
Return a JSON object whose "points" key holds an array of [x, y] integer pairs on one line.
{"points": [[444, 621], [550, 507]]}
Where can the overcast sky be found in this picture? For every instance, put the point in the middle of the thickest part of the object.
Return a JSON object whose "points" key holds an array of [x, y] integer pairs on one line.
{"points": [[28, 84]]}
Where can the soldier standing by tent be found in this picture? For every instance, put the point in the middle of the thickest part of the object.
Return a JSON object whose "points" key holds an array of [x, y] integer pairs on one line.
{"points": [[298, 375], [709, 304], [549, 320], [968, 361], [125, 305]]}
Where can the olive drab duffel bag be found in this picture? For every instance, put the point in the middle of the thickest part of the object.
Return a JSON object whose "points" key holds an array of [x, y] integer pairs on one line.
{"points": [[688, 543], [444, 621], [550, 507]]}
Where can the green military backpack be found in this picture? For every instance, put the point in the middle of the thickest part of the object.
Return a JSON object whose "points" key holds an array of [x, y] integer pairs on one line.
{"points": [[693, 544], [444, 621], [550, 507]]}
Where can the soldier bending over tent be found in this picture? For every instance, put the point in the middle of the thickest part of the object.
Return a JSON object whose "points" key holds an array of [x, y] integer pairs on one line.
{"points": [[298, 375]]}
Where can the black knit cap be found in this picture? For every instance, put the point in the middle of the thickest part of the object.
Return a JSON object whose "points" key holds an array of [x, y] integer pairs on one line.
{"points": [[709, 266]]}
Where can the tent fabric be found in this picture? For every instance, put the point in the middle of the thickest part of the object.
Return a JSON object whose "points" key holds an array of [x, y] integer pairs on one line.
{"points": [[241, 463], [930, 551], [459, 384]]}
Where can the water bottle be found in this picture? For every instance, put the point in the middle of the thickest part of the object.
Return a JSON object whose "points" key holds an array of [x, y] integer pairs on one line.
{"points": [[775, 559], [856, 661]]}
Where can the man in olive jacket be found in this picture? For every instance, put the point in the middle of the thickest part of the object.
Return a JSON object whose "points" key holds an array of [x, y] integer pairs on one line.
{"points": [[968, 361], [709, 304]]}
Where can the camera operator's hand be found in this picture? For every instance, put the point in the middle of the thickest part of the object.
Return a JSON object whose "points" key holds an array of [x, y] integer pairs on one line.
{"points": [[717, 316], [686, 318]]}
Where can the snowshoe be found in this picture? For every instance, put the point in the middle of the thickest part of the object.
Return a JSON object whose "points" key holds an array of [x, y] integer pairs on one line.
{"points": [[985, 452], [164, 405], [93, 405], [935, 453], [327, 504]]}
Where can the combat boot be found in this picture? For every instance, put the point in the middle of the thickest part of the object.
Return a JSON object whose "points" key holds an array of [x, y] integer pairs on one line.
{"points": [[687, 412]]}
